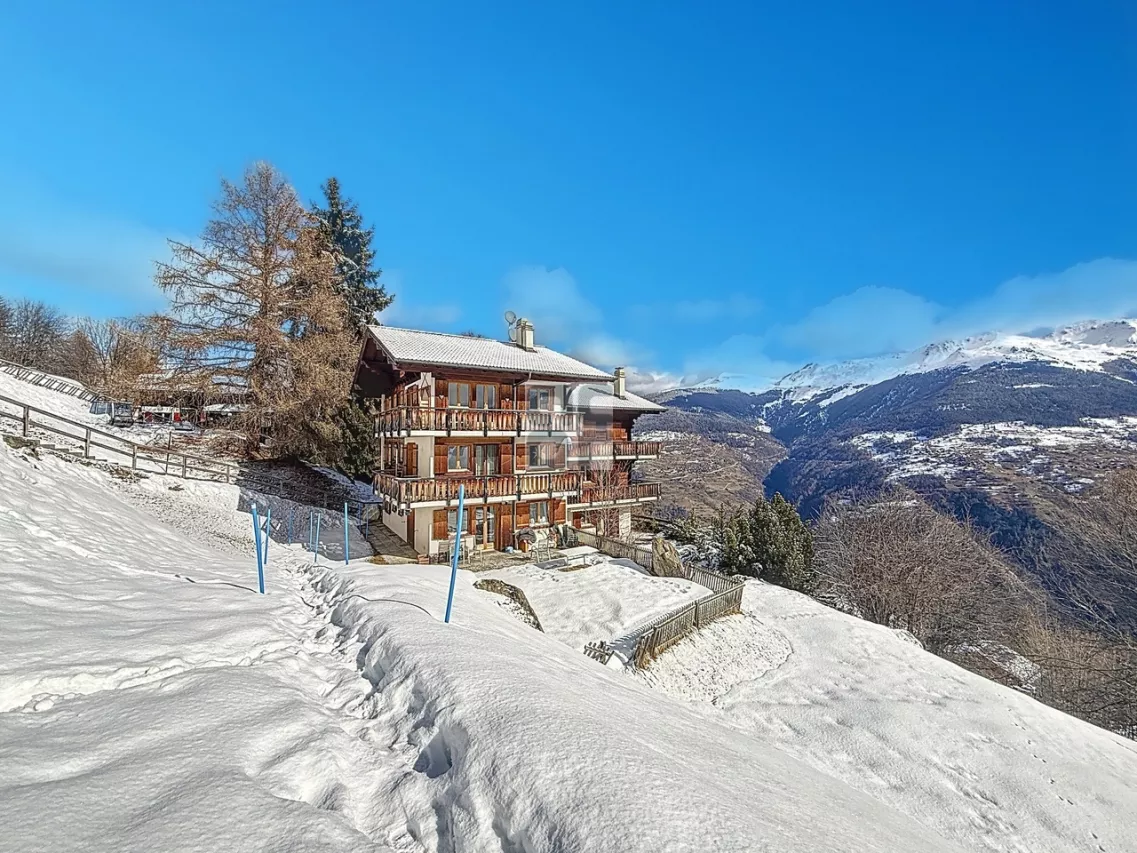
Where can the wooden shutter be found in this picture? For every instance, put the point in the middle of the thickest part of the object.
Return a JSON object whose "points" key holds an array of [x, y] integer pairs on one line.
{"points": [[521, 458], [410, 451], [439, 459], [523, 515], [505, 396], [441, 390], [505, 454], [559, 456], [558, 510], [439, 531]]}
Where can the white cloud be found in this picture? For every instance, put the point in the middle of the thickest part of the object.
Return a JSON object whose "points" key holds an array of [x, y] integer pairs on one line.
{"points": [[874, 320], [868, 321], [1103, 289]]}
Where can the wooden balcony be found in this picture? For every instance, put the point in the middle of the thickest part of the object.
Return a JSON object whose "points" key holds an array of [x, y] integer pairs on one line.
{"points": [[408, 492], [600, 496], [601, 450], [409, 420]]}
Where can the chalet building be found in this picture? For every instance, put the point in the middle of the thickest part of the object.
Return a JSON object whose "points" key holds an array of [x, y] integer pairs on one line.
{"points": [[536, 437]]}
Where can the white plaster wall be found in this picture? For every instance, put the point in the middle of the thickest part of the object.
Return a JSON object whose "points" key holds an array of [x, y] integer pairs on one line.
{"points": [[424, 522], [396, 523]]}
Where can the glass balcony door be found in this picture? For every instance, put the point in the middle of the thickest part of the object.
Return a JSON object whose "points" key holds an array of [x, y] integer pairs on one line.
{"points": [[485, 526]]}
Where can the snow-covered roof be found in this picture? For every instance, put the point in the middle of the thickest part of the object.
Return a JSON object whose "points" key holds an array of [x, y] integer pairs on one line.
{"points": [[410, 346], [603, 398]]}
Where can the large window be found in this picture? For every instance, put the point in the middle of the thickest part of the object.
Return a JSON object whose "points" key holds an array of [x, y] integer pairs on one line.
{"points": [[459, 394], [541, 399], [539, 512], [451, 522], [485, 460], [458, 457], [485, 396], [540, 455]]}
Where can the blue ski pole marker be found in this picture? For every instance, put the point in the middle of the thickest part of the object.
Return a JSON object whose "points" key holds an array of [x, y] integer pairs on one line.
{"points": [[260, 560], [316, 544], [345, 554], [457, 548]]}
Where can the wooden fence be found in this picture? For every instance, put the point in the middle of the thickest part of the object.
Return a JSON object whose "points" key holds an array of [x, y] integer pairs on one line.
{"points": [[85, 442], [669, 630], [724, 599], [613, 547], [47, 380]]}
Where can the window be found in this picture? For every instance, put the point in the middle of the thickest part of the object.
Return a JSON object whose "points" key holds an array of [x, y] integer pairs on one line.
{"points": [[459, 394], [458, 457], [451, 522], [485, 459], [540, 455], [541, 399], [539, 512], [485, 396]]}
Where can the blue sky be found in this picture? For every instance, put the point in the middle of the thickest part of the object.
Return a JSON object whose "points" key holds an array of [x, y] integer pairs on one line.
{"points": [[688, 188]]}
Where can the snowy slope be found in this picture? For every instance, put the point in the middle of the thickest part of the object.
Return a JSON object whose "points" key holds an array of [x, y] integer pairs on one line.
{"points": [[55, 402], [979, 763], [152, 701], [1084, 346]]}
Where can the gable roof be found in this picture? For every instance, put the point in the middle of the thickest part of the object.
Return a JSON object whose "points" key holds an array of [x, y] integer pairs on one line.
{"points": [[602, 398], [406, 347]]}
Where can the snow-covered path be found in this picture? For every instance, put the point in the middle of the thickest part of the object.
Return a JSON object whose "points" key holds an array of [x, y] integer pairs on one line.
{"points": [[979, 763], [149, 700]]}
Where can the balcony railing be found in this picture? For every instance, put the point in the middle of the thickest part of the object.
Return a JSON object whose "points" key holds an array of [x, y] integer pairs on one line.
{"points": [[405, 420], [602, 495], [445, 489], [614, 449]]}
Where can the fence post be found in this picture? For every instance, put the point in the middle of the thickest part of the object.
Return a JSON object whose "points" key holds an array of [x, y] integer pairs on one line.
{"points": [[311, 527], [291, 512], [345, 553], [169, 447], [316, 549], [184, 461], [260, 560], [87, 444], [27, 419], [133, 456], [457, 550]]}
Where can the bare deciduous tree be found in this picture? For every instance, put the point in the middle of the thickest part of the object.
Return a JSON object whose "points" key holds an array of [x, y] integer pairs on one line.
{"points": [[898, 562], [34, 335], [1088, 658]]}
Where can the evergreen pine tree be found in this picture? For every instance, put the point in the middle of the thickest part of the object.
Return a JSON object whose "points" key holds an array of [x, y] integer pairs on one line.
{"points": [[341, 226], [792, 565]]}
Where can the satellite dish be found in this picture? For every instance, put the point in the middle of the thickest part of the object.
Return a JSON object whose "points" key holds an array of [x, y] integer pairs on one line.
{"points": [[513, 334], [510, 317], [511, 321]]}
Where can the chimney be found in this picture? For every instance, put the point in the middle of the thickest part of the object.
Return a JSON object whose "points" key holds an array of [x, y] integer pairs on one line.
{"points": [[620, 386], [525, 335]]}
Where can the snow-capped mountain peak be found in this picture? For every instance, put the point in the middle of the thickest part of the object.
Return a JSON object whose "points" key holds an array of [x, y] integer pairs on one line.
{"points": [[1082, 346]]}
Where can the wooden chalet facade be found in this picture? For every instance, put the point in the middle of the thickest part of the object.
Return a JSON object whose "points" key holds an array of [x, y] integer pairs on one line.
{"points": [[536, 438]]}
